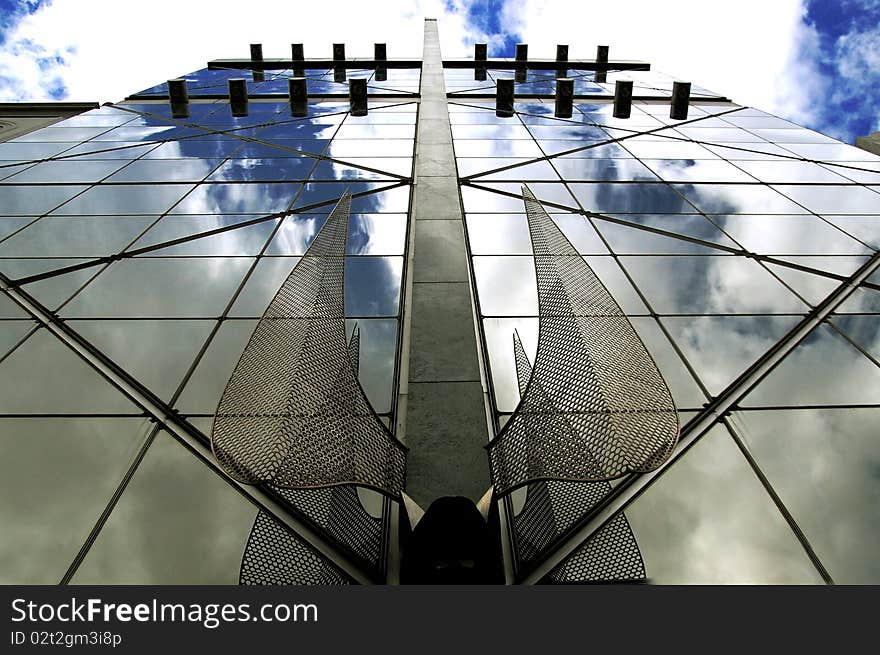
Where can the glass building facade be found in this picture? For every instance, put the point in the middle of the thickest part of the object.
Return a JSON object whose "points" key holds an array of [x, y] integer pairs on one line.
{"points": [[141, 252]]}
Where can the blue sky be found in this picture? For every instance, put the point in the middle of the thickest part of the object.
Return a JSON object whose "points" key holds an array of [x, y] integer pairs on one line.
{"points": [[814, 61]]}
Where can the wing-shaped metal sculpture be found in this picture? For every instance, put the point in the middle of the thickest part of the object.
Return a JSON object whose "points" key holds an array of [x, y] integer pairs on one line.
{"points": [[293, 413], [595, 406], [549, 509]]}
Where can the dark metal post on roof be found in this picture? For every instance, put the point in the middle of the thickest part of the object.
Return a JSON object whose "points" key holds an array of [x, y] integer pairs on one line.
{"points": [[297, 54], [357, 96], [299, 96], [561, 55], [480, 51], [238, 96], [257, 55], [381, 54], [601, 63], [623, 94], [339, 56], [564, 97], [504, 98], [681, 95], [178, 98], [522, 57]]}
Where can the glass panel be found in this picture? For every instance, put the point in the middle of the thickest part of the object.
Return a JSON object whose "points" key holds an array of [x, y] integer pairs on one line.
{"points": [[58, 381], [76, 236], [863, 330], [56, 477], [237, 199], [719, 348], [782, 235], [631, 198], [25, 200], [204, 388], [710, 285], [739, 199], [69, 170], [125, 199], [176, 523], [247, 240], [834, 199], [847, 376], [156, 353], [708, 520], [823, 464], [160, 287], [12, 332]]}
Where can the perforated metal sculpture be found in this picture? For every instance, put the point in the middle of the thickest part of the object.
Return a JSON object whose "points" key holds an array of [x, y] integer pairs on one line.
{"points": [[293, 413], [595, 407]]}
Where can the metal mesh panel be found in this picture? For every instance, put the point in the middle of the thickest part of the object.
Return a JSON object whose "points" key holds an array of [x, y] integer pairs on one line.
{"points": [[552, 507], [612, 554], [595, 407], [274, 556], [293, 413], [338, 512]]}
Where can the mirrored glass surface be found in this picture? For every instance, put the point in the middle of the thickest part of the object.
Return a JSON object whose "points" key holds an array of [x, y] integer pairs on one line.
{"points": [[56, 477], [709, 285], [157, 353], [739, 199], [822, 199], [58, 381], [220, 198], [631, 198], [847, 376], [75, 236], [719, 348], [708, 520], [158, 287], [630, 239], [784, 235], [176, 523], [35, 200], [246, 240], [125, 199], [822, 463]]}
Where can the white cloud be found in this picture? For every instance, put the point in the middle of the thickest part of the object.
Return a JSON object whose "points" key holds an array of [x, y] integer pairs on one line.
{"points": [[741, 49], [113, 48], [756, 52]]}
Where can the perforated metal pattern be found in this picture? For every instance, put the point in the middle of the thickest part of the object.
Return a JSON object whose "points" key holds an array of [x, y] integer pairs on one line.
{"points": [[612, 554], [340, 516], [552, 507], [293, 413], [595, 407], [274, 556]]}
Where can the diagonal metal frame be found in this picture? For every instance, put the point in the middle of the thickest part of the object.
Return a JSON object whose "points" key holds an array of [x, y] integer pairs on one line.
{"points": [[633, 486], [185, 433]]}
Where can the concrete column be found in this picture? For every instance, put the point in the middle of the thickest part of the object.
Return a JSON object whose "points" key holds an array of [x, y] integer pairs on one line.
{"points": [[445, 416]]}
